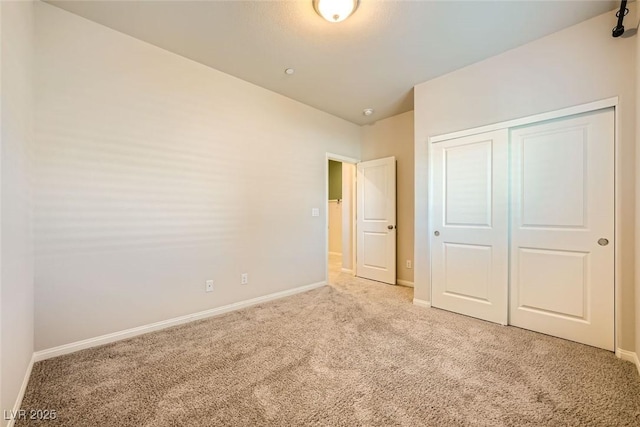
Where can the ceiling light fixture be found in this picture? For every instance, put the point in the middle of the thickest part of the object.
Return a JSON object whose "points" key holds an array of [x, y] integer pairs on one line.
{"points": [[289, 71], [335, 10], [367, 111]]}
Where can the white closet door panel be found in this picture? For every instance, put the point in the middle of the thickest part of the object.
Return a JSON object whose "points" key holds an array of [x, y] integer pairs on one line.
{"points": [[376, 222], [562, 279], [468, 184], [469, 226]]}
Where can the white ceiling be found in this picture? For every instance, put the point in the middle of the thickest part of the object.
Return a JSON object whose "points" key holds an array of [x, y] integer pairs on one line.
{"points": [[371, 60]]}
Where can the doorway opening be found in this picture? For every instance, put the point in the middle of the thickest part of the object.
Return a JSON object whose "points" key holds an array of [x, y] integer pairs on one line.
{"points": [[341, 214]]}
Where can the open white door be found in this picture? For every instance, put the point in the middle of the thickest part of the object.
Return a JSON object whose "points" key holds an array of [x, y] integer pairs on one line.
{"points": [[469, 238], [562, 251], [376, 224]]}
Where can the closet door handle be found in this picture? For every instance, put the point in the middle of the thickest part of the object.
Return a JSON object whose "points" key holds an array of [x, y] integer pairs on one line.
{"points": [[436, 233], [603, 242]]}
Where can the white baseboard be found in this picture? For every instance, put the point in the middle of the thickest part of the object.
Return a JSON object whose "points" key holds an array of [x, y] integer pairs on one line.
{"points": [[347, 270], [629, 356], [128, 333], [404, 283], [23, 389], [421, 303], [335, 253]]}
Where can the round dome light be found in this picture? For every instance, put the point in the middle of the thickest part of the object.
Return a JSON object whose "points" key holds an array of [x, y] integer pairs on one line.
{"points": [[335, 10]]}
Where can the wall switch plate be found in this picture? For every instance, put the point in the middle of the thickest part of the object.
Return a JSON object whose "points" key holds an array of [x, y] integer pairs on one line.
{"points": [[209, 286], [315, 212], [244, 279], [408, 263]]}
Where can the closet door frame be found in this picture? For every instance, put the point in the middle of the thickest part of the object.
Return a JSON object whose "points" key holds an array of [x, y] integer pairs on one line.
{"points": [[556, 114]]}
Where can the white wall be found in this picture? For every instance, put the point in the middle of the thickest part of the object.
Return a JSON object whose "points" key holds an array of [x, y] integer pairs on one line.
{"points": [[394, 137], [637, 218], [16, 243], [335, 226], [348, 226], [155, 173], [580, 64]]}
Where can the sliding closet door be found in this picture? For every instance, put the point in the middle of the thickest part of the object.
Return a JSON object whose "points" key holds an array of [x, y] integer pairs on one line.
{"points": [[469, 225], [562, 228]]}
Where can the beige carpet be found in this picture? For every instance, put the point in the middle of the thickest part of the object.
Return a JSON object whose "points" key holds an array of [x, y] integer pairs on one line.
{"points": [[354, 353]]}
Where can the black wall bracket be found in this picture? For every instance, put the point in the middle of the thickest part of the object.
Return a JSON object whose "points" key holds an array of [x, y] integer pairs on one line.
{"points": [[618, 30]]}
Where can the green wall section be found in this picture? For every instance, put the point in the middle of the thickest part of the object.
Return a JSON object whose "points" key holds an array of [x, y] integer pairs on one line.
{"points": [[335, 180]]}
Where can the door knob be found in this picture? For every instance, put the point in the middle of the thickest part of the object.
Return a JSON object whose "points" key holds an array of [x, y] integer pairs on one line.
{"points": [[603, 242], [390, 227], [436, 233]]}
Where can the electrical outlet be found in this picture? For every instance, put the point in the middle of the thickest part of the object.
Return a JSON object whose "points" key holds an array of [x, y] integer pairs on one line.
{"points": [[209, 286], [244, 279], [408, 263]]}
